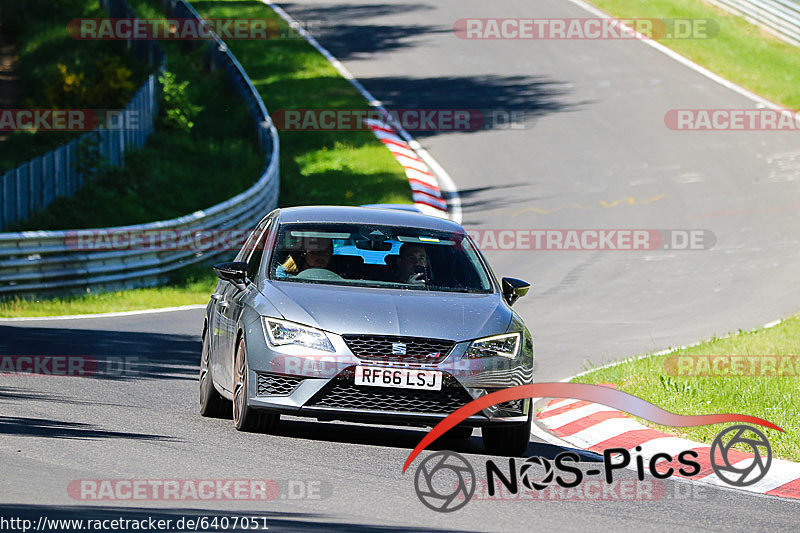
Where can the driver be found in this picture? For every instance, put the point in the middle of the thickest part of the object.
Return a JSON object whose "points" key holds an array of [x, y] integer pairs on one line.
{"points": [[316, 254], [412, 265]]}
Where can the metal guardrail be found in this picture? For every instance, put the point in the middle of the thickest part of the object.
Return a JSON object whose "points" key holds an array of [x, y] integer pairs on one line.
{"points": [[44, 261], [779, 17]]}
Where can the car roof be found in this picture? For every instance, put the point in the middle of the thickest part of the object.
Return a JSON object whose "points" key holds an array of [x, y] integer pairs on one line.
{"points": [[366, 215]]}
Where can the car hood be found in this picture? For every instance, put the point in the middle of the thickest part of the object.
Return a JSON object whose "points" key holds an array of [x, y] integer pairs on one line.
{"points": [[342, 310]]}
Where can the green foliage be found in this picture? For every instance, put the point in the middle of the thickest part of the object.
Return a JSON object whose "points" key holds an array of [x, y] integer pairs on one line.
{"points": [[89, 162], [57, 71], [177, 172], [110, 82], [104, 82], [178, 111], [65, 88]]}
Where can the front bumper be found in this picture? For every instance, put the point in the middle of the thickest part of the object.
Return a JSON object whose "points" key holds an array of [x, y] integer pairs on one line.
{"points": [[320, 385]]}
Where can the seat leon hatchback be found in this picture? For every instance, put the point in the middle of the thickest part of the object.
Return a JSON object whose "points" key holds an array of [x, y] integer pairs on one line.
{"points": [[368, 315]]}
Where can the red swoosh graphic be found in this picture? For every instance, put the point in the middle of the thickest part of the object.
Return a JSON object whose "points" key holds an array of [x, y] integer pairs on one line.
{"points": [[580, 391]]}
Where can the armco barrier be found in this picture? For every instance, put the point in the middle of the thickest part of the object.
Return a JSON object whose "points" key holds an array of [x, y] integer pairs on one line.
{"points": [[779, 17], [43, 261]]}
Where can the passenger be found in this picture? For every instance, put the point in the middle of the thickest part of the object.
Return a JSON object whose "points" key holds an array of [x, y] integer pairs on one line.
{"points": [[316, 254]]}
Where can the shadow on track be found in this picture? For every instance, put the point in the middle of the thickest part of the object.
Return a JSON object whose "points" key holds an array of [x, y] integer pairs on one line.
{"points": [[119, 355], [339, 29], [503, 101], [19, 394], [40, 427], [403, 438]]}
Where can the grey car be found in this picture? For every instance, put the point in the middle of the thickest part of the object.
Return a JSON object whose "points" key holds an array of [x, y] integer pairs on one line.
{"points": [[367, 315]]}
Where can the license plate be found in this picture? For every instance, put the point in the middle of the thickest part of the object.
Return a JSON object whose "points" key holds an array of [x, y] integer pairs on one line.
{"points": [[401, 378]]}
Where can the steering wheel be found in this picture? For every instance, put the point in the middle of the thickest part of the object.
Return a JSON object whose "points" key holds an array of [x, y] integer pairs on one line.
{"points": [[321, 274]]}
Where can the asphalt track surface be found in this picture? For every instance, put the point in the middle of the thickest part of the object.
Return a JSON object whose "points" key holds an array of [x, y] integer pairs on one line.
{"points": [[594, 139]]}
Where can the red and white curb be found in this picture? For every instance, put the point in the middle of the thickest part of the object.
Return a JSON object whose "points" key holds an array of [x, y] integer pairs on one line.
{"points": [[424, 185], [427, 178], [595, 427]]}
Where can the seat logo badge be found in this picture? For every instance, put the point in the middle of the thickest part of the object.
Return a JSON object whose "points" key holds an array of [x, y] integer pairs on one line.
{"points": [[398, 348]]}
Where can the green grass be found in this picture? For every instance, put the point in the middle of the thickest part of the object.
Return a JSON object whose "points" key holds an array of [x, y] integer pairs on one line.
{"points": [[38, 28], [176, 174], [187, 287], [776, 399], [346, 168], [741, 52]]}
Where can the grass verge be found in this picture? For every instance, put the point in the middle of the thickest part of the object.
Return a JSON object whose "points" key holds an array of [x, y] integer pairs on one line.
{"points": [[741, 52], [56, 71], [347, 168], [317, 167], [190, 286], [178, 171], [774, 396]]}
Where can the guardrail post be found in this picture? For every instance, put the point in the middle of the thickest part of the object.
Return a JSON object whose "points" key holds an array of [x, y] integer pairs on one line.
{"points": [[70, 158], [35, 181], [9, 203], [22, 190], [58, 172]]}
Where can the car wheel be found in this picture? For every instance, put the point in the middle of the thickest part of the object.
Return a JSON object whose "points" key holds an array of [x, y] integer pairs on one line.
{"points": [[246, 418], [508, 439], [211, 403]]}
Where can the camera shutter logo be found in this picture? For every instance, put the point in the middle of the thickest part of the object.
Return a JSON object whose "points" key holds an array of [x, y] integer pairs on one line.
{"points": [[445, 482], [525, 473], [749, 472]]}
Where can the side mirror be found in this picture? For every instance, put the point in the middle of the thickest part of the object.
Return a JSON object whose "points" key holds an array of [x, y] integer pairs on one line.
{"points": [[235, 272], [514, 289]]}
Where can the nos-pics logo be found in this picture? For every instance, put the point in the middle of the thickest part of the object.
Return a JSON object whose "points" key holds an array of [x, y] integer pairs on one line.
{"points": [[445, 481]]}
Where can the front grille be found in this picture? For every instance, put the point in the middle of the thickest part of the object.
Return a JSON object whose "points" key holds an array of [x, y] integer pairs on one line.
{"points": [[386, 348], [277, 385], [342, 393]]}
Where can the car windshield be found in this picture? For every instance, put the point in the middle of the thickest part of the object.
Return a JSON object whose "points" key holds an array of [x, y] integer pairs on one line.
{"points": [[377, 256]]}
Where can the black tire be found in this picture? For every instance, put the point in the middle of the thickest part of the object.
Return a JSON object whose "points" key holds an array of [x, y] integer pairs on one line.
{"points": [[212, 405], [509, 440], [246, 418]]}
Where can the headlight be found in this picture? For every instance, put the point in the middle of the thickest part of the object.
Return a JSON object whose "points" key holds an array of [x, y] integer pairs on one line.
{"points": [[282, 333], [506, 345]]}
